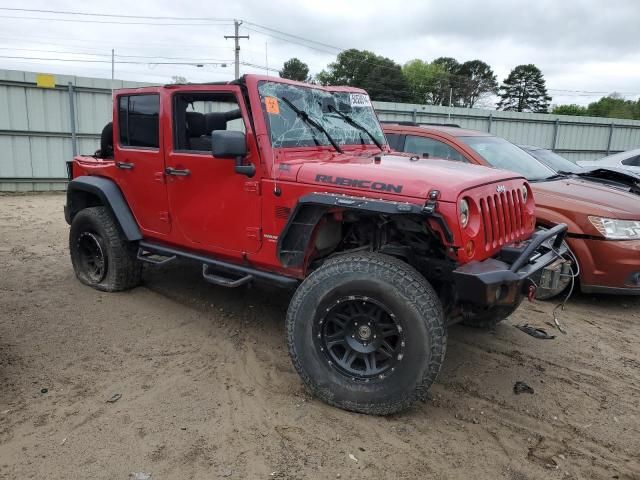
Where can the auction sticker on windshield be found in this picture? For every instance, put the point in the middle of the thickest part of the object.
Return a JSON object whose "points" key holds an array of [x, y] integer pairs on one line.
{"points": [[272, 105], [360, 100]]}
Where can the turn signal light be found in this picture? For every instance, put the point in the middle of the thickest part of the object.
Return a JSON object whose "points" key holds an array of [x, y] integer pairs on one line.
{"points": [[470, 249]]}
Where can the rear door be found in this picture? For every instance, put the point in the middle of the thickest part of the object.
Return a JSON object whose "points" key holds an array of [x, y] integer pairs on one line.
{"points": [[140, 161], [214, 208]]}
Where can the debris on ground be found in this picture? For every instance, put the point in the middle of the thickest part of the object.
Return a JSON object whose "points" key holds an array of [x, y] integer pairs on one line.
{"points": [[139, 476], [44, 390], [352, 457], [521, 387], [114, 398], [535, 332]]}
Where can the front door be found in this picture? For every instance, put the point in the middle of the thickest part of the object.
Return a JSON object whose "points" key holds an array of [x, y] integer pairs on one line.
{"points": [[214, 208]]}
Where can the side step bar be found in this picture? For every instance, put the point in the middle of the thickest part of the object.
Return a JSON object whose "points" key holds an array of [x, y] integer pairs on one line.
{"points": [[222, 280], [241, 270]]}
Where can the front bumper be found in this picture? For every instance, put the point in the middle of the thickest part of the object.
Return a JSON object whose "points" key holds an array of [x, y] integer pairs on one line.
{"points": [[505, 279]]}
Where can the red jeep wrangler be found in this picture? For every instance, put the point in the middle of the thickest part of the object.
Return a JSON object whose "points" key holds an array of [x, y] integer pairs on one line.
{"points": [[294, 184]]}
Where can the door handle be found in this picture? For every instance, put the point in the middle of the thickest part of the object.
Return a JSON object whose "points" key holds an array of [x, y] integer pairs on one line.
{"points": [[177, 172], [125, 165]]}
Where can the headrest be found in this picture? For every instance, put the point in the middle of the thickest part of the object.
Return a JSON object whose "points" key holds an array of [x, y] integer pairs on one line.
{"points": [[215, 121], [196, 125]]}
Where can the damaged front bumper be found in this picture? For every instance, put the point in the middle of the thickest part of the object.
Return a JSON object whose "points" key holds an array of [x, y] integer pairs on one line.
{"points": [[504, 280]]}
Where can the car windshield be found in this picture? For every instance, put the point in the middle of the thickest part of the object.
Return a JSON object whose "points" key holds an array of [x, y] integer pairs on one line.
{"points": [[501, 154], [553, 160], [289, 128]]}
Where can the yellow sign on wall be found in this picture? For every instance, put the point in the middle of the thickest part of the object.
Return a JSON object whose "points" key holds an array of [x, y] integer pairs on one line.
{"points": [[44, 80]]}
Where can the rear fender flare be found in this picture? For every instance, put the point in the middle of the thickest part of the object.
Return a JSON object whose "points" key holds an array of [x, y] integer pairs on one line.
{"points": [[110, 196]]}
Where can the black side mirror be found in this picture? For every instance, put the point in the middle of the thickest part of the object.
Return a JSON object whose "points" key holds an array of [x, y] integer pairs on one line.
{"points": [[228, 144]]}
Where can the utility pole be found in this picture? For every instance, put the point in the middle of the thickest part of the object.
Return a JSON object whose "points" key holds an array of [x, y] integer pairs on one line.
{"points": [[113, 68], [237, 38]]}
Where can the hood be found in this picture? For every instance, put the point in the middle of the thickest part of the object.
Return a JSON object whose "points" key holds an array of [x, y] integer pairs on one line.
{"points": [[399, 174], [576, 197]]}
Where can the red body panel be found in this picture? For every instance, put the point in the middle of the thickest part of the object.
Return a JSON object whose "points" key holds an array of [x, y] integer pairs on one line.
{"points": [[217, 211]]}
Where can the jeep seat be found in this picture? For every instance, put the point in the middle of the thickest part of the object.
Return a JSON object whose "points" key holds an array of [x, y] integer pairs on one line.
{"points": [[197, 132]]}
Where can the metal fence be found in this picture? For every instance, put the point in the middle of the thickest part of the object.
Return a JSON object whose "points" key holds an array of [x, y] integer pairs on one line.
{"points": [[39, 132]]}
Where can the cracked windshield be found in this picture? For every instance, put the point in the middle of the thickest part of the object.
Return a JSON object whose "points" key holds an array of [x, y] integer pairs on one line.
{"points": [[302, 116]]}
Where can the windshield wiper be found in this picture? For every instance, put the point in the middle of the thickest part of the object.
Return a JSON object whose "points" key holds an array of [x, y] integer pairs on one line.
{"points": [[353, 123], [307, 119]]}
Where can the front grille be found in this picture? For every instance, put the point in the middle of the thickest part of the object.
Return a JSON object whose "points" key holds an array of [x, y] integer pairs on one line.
{"points": [[502, 218]]}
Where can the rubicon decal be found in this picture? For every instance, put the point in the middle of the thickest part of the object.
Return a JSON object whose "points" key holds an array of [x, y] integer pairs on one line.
{"points": [[354, 182]]}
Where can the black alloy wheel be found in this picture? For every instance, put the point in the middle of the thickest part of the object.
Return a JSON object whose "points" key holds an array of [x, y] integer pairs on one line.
{"points": [[361, 338]]}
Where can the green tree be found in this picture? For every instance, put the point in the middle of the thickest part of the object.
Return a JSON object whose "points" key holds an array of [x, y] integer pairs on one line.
{"points": [[476, 81], [178, 79], [295, 69], [524, 90], [427, 81], [450, 84], [571, 109], [613, 106], [380, 76]]}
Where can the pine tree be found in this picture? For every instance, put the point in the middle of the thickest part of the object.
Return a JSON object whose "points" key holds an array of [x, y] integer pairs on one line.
{"points": [[524, 90]]}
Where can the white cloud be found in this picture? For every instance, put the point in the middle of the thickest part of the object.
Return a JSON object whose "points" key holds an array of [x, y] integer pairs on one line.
{"points": [[581, 45]]}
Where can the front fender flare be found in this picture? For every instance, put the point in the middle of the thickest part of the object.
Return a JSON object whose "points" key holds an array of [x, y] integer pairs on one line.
{"points": [[296, 235], [110, 196]]}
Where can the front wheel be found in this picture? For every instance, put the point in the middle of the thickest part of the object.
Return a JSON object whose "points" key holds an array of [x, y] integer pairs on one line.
{"points": [[366, 333]]}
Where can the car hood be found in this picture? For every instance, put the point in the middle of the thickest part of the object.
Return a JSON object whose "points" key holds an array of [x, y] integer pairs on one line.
{"points": [[399, 174], [608, 163], [575, 197]]}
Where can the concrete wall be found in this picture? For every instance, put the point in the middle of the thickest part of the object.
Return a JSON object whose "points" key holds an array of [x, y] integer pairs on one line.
{"points": [[36, 140]]}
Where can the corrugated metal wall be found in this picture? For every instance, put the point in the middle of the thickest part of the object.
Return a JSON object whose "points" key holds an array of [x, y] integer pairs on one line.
{"points": [[35, 127], [576, 138]]}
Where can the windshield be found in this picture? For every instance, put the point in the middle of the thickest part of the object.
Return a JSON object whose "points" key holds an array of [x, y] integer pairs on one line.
{"points": [[553, 160], [501, 154], [289, 129]]}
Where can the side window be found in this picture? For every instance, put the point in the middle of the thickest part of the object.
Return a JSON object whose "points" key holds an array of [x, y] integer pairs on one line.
{"points": [[196, 115], [395, 141], [632, 162], [435, 148], [138, 120]]}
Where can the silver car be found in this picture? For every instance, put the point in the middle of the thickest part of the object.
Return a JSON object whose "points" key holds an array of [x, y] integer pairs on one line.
{"points": [[629, 160]]}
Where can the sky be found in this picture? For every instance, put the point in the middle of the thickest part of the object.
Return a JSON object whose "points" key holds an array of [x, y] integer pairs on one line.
{"points": [[585, 48]]}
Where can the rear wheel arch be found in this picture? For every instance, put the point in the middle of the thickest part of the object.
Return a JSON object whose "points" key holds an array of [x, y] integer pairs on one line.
{"points": [[92, 191]]}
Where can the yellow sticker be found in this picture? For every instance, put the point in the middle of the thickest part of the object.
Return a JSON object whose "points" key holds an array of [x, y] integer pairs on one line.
{"points": [[272, 105], [44, 80]]}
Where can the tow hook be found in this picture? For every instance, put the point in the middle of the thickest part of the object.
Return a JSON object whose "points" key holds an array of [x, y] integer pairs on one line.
{"points": [[531, 292]]}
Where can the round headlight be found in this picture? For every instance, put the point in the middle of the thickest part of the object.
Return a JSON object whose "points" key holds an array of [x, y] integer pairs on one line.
{"points": [[463, 207], [525, 193]]}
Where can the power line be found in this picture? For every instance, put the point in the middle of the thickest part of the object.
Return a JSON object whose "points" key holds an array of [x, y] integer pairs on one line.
{"points": [[111, 15], [82, 60], [115, 22]]}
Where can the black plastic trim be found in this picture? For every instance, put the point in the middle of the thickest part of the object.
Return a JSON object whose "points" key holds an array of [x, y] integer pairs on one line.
{"points": [[110, 195], [295, 236], [496, 282]]}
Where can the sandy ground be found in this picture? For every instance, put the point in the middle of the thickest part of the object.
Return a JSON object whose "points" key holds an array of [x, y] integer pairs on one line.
{"points": [[208, 390]]}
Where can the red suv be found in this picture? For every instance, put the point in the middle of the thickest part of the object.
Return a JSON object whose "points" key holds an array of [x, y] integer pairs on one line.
{"points": [[603, 220], [265, 179]]}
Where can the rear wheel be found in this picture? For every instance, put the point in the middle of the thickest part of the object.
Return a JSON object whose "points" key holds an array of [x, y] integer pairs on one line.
{"points": [[102, 258], [366, 333]]}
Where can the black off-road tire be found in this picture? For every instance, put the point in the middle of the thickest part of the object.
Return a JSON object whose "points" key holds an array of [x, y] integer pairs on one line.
{"points": [[492, 317], [408, 299], [95, 233]]}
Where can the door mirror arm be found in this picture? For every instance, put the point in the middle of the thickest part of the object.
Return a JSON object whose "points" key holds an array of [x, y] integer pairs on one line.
{"points": [[248, 170]]}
